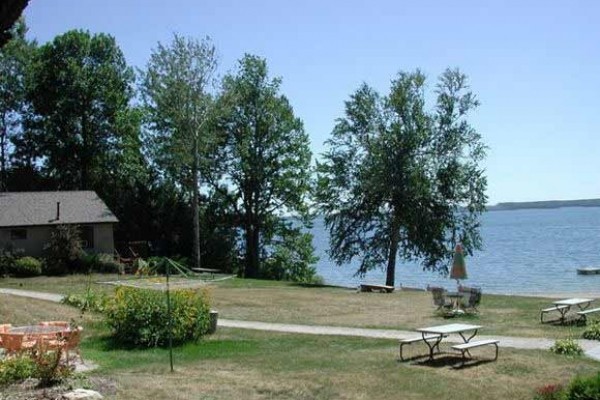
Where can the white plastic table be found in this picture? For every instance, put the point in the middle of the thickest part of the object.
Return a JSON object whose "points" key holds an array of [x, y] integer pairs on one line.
{"points": [[580, 303], [441, 331]]}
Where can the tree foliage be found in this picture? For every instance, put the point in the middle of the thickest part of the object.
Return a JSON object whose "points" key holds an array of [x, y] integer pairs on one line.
{"points": [[14, 60], [177, 94], [399, 180], [10, 11], [266, 160], [80, 88]]}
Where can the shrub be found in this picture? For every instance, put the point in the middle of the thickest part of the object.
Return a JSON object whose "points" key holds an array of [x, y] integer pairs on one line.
{"points": [[292, 259], [16, 369], [584, 388], [8, 256], [106, 263], [102, 262], [63, 250], [25, 267], [91, 301], [568, 347], [48, 367], [550, 392], [139, 317], [592, 332]]}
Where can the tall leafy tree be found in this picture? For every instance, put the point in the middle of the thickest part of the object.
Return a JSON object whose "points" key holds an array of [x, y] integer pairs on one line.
{"points": [[266, 162], [10, 11], [80, 89], [402, 181], [177, 92], [14, 60]]}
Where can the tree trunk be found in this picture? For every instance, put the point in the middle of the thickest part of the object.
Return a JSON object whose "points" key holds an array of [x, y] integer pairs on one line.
{"points": [[390, 277], [3, 140], [252, 251], [85, 154], [196, 207]]}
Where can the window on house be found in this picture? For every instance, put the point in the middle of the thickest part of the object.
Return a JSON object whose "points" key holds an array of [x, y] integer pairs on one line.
{"points": [[87, 236], [18, 234]]}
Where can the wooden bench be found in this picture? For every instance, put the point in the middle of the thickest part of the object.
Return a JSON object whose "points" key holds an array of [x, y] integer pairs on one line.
{"points": [[465, 347], [550, 309], [417, 339], [376, 288], [210, 271], [583, 314]]}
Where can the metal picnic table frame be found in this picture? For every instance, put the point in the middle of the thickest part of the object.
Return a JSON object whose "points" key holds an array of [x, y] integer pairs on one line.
{"points": [[582, 304], [441, 331]]}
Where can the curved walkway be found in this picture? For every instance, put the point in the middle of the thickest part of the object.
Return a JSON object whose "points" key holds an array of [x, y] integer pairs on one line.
{"points": [[591, 347]]}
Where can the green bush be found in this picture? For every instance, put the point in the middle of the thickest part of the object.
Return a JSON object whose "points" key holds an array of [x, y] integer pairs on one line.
{"points": [[49, 369], [592, 332], [584, 388], [568, 347], [63, 251], [8, 256], [16, 369], [292, 259], [25, 267], [102, 263], [45, 366], [139, 317], [91, 301]]}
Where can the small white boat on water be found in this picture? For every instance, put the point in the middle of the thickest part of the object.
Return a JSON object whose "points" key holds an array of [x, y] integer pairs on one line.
{"points": [[588, 271]]}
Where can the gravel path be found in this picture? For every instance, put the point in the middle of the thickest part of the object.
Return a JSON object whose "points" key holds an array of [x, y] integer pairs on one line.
{"points": [[591, 348]]}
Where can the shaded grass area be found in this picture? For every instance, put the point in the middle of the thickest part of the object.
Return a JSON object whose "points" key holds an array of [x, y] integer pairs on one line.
{"points": [[263, 365], [284, 302]]}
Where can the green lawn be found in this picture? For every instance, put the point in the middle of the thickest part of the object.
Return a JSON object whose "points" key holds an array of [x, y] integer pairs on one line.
{"points": [[261, 365], [271, 301]]}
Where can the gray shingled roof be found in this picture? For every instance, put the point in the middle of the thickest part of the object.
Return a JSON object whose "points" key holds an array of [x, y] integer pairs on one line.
{"points": [[39, 208]]}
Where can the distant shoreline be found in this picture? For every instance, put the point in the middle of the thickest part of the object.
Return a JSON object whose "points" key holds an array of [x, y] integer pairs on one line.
{"points": [[550, 204]]}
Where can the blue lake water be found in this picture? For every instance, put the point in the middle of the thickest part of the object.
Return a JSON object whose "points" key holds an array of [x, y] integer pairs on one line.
{"points": [[525, 252]]}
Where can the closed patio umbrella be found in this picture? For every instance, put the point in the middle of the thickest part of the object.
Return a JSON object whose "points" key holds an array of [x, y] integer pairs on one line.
{"points": [[459, 269]]}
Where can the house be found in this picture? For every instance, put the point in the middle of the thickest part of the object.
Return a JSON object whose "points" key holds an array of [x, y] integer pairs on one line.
{"points": [[28, 218]]}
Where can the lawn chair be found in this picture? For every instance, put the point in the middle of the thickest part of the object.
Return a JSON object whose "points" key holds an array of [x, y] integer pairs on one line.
{"points": [[472, 296], [71, 341], [439, 298], [3, 329], [15, 343]]}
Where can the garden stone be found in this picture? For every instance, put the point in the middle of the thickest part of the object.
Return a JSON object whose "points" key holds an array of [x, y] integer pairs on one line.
{"points": [[82, 394]]}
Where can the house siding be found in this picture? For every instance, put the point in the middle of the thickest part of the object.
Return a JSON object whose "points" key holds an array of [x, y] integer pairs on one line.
{"points": [[103, 239], [39, 236]]}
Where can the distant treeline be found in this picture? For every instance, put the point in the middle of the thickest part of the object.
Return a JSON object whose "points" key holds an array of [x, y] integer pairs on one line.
{"points": [[544, 204]]}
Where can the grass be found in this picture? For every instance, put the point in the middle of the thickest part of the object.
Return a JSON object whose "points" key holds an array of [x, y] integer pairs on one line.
{"points": [[269, 301], [262, 365]]}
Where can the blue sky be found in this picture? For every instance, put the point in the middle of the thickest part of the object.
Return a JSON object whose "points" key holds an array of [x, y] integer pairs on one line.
{"points": [[534, 65]]}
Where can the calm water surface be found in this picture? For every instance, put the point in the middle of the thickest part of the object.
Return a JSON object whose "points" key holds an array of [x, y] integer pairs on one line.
{"points": [[525, 252]]}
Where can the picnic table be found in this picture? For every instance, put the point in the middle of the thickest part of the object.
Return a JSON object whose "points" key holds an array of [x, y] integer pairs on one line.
{"points": [[565, 305], [35, 330], [432, 336]]}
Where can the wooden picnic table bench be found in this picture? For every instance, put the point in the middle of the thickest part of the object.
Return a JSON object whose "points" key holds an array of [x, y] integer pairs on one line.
{"points": [[550, 309], [465, 347], [417, 339], [376, 288], [210, 271], [583, 314]]}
